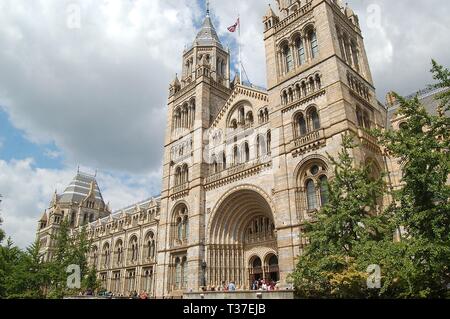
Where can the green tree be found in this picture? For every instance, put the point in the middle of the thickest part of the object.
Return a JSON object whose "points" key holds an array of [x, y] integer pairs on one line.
{"points": [[418, 265], [348, 226], [91, 281], [2, 233], [29, 275], [10, 256], [72, 248]]}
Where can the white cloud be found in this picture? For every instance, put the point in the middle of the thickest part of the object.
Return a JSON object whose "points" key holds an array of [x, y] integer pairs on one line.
{"points": [[27, 192], [95, 91], [99, 92]]}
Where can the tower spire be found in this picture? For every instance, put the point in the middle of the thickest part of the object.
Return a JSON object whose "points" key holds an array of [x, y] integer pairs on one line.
{"points": [[207, 8]]}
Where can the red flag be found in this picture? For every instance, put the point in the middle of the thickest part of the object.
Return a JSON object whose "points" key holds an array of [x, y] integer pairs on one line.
{"points": [[234, 27]]}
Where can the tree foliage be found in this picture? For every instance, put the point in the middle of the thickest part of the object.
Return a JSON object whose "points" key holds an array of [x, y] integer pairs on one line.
{"points": [[346, 227], [345, 239], [24, 274]]}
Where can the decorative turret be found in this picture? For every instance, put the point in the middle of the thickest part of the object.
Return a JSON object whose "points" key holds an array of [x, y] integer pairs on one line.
{"points": [[206, 57], [207, 36], [270, 19], [175, 86], [43, 221]]}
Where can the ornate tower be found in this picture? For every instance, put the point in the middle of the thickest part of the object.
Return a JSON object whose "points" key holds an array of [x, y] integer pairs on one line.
{"points": [[320, 86], [79, 204], [194, 101]]}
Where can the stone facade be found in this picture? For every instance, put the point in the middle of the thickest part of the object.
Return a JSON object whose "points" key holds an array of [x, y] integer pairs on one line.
{"points": [[243, 167]]}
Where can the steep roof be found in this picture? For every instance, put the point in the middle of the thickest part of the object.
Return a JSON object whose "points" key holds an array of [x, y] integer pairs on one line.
{"points": [[427, 98], [207, 36], [80, 188]]}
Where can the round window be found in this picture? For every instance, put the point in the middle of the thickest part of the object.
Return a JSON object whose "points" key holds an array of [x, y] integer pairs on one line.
{"points": [[314, 170]]}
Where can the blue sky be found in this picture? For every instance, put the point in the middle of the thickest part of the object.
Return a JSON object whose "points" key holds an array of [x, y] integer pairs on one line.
{"points": [[15, 146], [94, 93]]}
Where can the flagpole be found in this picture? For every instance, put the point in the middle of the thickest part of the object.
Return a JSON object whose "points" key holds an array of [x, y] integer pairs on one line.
{"points": [[239, 44]]}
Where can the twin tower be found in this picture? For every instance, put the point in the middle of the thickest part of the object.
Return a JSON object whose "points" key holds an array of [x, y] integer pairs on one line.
{"points": [[245, 168]]}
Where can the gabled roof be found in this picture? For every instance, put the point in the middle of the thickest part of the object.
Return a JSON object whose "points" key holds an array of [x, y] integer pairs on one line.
{"points": [[80, 188], [207, 36]]}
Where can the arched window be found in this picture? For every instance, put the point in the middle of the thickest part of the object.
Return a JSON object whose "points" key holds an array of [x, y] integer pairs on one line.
{"points": [[106, 255], [150, 245], [178, 273], [119, 252], [301, 125], [312, 86], [185, 174], [318, 82], [184, 272], [314, 44], [133, 249], [236, 155], [312, 181], [178, 176], [246, 153], [94, 256], [300, 51], [224, 161], [323, 190], [367, 124], [311, 195], [290, 95], [241, 115], [355, 55], [289, 62], [314, 119], [249, 118], [359, 117], [260, 146], [304, 89], [181, 225], [234, 124], [269, 142]]}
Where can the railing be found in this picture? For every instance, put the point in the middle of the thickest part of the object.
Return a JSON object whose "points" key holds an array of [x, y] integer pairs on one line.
{"points": [[238, 168], [293, 16], [180, 188], [308, 139], [363, 134]]}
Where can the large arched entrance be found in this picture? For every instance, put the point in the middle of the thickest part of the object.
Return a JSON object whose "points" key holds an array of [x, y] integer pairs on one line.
{"points": [[241, 235]]}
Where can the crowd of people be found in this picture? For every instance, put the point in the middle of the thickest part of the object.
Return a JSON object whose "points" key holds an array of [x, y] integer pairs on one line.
{"points": [[260, 284], [132, 295], [264, 285]]}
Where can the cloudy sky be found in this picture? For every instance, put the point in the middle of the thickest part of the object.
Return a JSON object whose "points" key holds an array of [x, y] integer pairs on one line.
{"points": [[84, 82]]}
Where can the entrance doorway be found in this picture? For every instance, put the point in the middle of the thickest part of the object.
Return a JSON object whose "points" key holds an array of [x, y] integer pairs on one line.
{"points": [[256, 270], [273, 270]]}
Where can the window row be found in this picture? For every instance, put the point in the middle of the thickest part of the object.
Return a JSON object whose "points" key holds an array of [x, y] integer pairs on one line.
{"points": [[184, 116], [312, 183], [297, 51], [263, 116], [181, 175], [149, 252], [358, 86], [241, 154], [363, 118], [305, 123], [180, 276], [349, 49], [243, 118], [301, 89], [130, 284], [180, 226]]}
